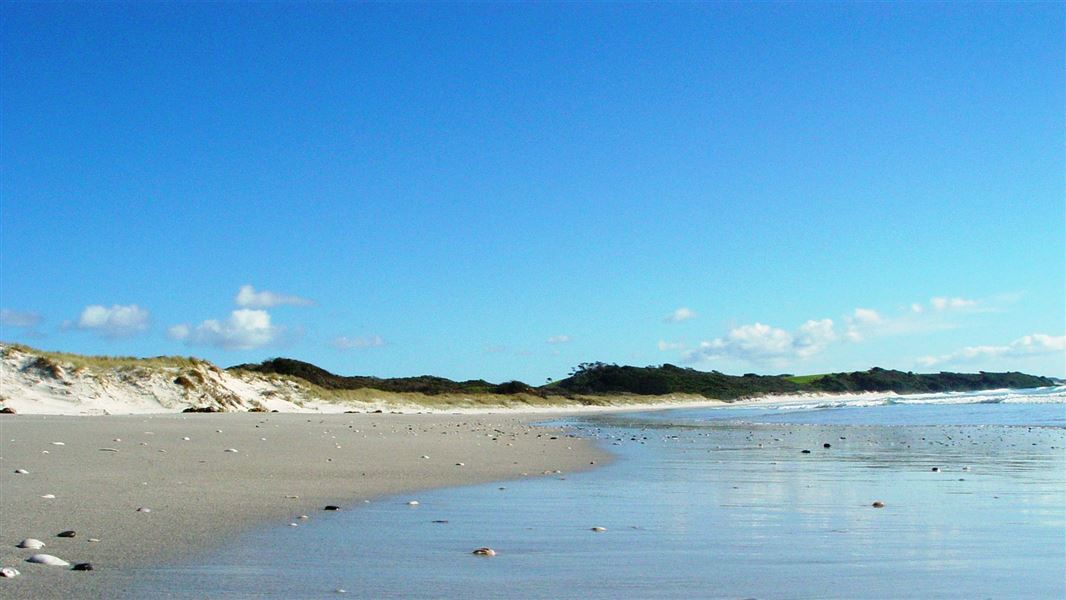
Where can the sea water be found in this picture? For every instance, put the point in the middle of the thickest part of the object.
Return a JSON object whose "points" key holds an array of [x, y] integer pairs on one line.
{"points": [[710, 503]]}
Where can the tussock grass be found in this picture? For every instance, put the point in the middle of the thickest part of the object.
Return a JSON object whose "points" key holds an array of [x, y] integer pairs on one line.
{"points": [[99, 363]]}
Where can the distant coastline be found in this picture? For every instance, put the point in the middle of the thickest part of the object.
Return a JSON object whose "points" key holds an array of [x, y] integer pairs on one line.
{"points": [[37, 381]]}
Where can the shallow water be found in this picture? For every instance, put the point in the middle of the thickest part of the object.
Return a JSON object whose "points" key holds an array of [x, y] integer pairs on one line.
{"points": [[708, 503]]}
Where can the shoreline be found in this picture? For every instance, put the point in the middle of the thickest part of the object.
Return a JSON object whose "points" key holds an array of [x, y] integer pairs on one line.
{"points": [[201, 494]]}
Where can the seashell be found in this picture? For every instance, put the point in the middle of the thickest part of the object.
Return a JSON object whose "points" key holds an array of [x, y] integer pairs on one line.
{"points": [[599, 529], [412, 503], [58, 444], [878, 504], [108, 449], [21, 471], [484, 552], [186, 438], [231, 450], [48, 496], [47, 559], [9, 572], [31, 543], [144, 509]]}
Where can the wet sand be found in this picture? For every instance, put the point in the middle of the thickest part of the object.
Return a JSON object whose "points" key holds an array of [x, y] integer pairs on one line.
{"points": [[101, 470]]}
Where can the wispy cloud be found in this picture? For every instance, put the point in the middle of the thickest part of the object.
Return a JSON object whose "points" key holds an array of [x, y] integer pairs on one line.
{"points": [[19, 318], [358, 343], [680, 315], [248, 297], [761, 343], [245, 329], [559, 339], [665, 345], [114, 322], [1030, 345]]}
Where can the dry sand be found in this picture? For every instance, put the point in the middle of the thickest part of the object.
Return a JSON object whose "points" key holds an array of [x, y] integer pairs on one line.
{"points": [[201, 496]]}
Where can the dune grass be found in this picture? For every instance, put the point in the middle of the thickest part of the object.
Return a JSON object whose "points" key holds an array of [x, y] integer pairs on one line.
{"points": [[94, 363]]}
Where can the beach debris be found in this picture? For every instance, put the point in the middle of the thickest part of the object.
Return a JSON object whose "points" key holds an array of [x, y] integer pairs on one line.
{"points": [[67, 534], [331, 507], [58, 444], [47, 559], [144, 509], [82, 567], [9, 572], [484, 552], [231, 450], [425, 456], [304, 517], [460, 464], [340, 591], [878, 504], [7, 410], [294, 524], [935, 469], [94, 540], [599, 529], [48, 496], [31, 543], [412, 503], [440, 521], [186, 438], [827, 445], [108, 449], [21, 471], [805, 451]]}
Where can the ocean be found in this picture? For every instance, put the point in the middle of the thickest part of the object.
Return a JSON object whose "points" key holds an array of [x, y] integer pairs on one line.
{"points": [[767, 500]]}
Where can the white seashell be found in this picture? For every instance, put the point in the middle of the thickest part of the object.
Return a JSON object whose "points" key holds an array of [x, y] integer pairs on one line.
{"points": [[144, 509], [47, 559], [599, 529], [48, 496], [484, 552], [413, 503], [58, 444], [31, 543], [186, 438], [9, 572], [21, 471], [231, 450], [94, 539], [108, 449]]}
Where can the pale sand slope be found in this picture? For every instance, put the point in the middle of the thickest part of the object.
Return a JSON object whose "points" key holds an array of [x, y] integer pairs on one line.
{"points": [[201, 496]]}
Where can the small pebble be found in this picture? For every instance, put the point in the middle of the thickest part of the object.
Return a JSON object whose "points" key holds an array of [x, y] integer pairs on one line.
{"points": [[31, 543], [144, 509], [66, 534], [231, 450], [599, 529], [47, 559], [48, 496], [83, 567], [21, 471], [484, 552], [94, 540], [878, 504], [304, 517], [9, 572], [58, 444], [331, 507]]}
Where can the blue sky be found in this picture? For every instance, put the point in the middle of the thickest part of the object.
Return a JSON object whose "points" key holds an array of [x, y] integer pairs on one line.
{"points": [[506, 190]]}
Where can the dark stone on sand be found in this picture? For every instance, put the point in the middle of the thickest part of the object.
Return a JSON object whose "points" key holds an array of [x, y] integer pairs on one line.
{"points": [[878, 504], [936, 469], [82, 567], [202, 409], [441, 521], [66, 534], [827, 445], [7, 410], [332, 507], [805, 451]]}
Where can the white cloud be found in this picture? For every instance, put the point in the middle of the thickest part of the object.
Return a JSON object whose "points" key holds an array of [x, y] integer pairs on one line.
{"points": [[247, 297], [665, 345], [115, 322], [358, 343], [680, 315], [941, 303], [559, 339], [765, 344], [19, 318], [1029, 345], [245, 329]]}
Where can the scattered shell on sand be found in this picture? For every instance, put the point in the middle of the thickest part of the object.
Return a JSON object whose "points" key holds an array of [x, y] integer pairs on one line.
{"points": [[599, 529], [22, 471], [412, 503], [460, 464], [58, 444], [47, 559], [48, 496], [878, 504], [31, 543], [231, 450], [94, 539], [294, 524], [186, 438], [484, 552], [425, 456], [9, 572], [144, 509], [304, 517], [108, 449]]}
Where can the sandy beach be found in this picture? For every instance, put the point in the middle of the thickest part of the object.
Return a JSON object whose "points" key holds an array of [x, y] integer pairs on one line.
{"points": [[207, 478]]}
